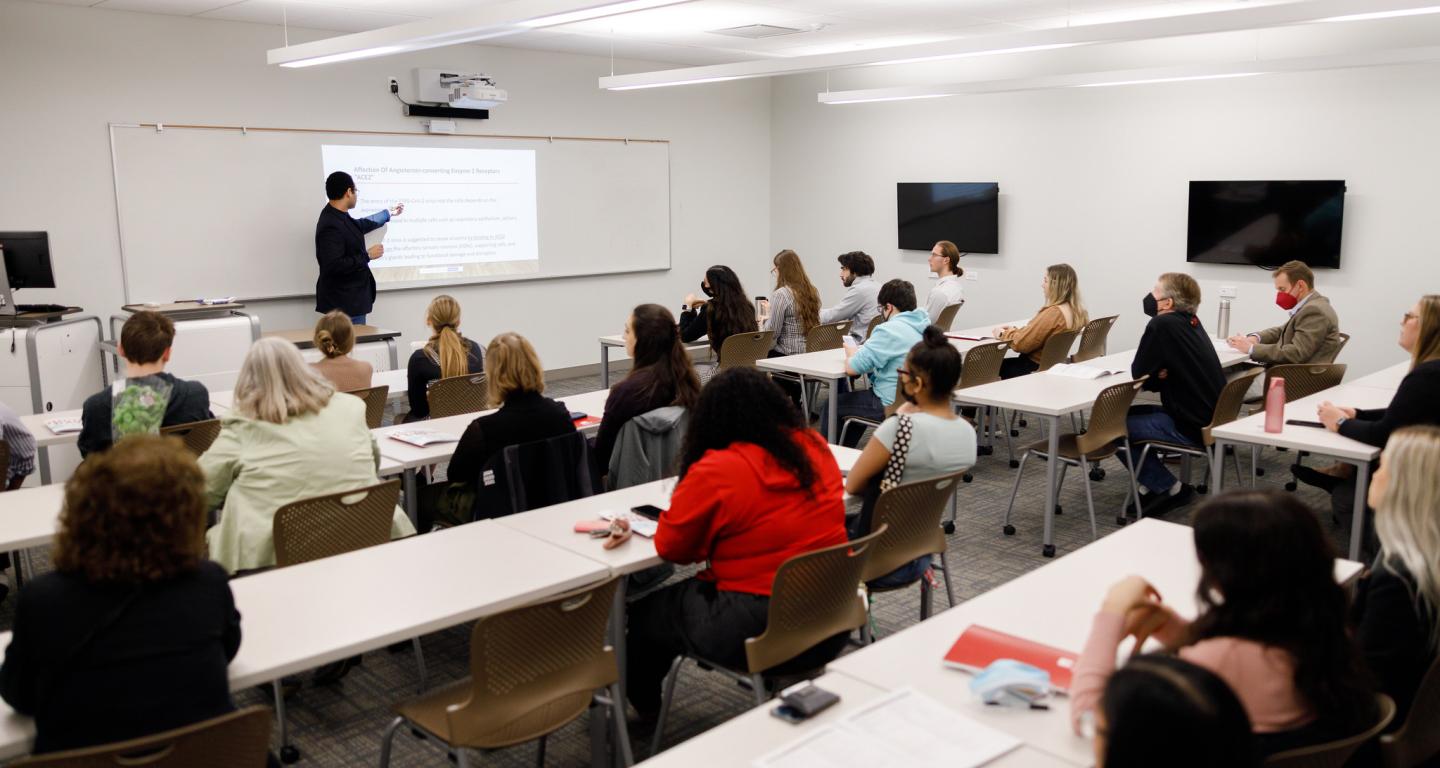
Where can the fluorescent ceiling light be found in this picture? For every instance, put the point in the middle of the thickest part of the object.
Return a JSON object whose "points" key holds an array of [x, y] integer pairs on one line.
{"points": [[970, 54], [872, 99], [364, 53], [682, 82], [1385, 14], [585, 14], [1168, 80]]}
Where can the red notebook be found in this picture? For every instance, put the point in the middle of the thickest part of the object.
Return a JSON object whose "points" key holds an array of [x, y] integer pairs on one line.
{"points": [[978, 646]]}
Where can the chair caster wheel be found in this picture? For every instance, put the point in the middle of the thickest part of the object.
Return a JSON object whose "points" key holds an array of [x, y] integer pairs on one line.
{"points": [[948, 527], [1291, 486], [289, 754], [1048, 550], [1059, 510], [1014, 463], [1014, 433], [985, 450], [1122, 521], [967, 477], [1023, 423], [1202, 488], [1259, 471], [1009, 530], [1097, 474]]}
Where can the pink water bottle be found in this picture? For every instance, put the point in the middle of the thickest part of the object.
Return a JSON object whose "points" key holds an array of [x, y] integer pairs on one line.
{"points": [[1275, 405]]}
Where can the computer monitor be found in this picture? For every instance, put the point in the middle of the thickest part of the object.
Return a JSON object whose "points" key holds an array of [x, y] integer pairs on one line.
{"points": [[27, 259]]}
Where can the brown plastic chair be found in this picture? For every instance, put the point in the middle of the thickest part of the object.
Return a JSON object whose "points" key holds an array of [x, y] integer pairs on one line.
{"points": [[826, 336], [742, 349], [374, 398], [982, 366], [911, 512], [1418, 738], [455, 395], [947, 315], [239, 739], [1056, 349], [1344, 339], [1227, 409], [874, 323], [197, 436], [815, 596], [533, 670], [1334, 754], [1104, 437], [4, 464], [1092, 339], [1304, 380]]}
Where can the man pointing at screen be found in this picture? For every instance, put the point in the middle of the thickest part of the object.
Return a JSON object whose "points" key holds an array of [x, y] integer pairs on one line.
{"points": [[345, 282]]}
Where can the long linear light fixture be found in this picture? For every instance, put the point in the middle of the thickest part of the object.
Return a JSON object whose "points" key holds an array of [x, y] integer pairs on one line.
{"points": [[1174, 74], [480, 23], [1018, 42]]}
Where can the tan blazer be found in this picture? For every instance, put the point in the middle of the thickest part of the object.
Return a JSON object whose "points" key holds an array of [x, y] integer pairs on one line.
{"points": [[1312, 335]]}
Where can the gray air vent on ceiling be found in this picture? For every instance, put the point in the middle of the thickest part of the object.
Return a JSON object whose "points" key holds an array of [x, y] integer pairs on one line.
{"points": [[757, 31]]}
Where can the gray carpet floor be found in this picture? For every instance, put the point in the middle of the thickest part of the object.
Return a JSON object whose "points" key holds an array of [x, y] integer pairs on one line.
{"points": [[342, 724]]}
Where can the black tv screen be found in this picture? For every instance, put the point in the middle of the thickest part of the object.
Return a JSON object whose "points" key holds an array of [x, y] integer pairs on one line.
{"points": [[966, 214], [1266, 223]]}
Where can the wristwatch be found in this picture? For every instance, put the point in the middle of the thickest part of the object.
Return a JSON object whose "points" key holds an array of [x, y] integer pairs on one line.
{"points": [[1340, 421]]}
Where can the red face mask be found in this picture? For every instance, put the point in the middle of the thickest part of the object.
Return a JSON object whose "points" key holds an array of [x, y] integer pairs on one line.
{"points": [[1285, 300]]}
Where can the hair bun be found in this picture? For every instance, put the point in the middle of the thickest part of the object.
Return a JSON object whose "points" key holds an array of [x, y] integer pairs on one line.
{"points": [[325, 342], [934, 337]]}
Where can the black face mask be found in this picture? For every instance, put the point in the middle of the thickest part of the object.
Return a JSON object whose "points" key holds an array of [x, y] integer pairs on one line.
{"points": [[1150, 304], [706, 289]]}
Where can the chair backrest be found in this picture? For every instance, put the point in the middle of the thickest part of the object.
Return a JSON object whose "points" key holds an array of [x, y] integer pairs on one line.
{"points": [[826, 336], [815, 596], [1304, 380], [1107, 416], [1334, 754], [374, 398], [239, 739], [874, 323], [1056, 349], [4, 466], [1230, 402], [546, 472], [743, 349], [197, 436], [1418, 738], [1093, 337], [466, 393], [1344, 339], [911, 512], [982, 364], [648, 448], [535, 668], [335, 523], [947, 315]]}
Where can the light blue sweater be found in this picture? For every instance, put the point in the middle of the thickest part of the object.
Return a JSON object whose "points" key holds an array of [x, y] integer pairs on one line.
{"points": [[886, 349]]}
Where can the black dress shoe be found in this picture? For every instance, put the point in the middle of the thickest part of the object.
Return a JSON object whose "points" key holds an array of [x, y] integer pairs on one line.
{"points": [[1312, 476], [332, 673], [1164, 504]]}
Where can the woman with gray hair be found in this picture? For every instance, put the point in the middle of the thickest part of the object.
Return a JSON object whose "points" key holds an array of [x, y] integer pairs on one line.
{"points": [[289, 436]]}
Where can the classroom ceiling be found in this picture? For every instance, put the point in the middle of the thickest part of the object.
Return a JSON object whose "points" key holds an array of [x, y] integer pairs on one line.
{"points": [[689, 33]]}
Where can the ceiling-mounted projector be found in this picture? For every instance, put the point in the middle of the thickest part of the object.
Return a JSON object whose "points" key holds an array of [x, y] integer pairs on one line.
{"points": [[446, 94], [473, 91]]}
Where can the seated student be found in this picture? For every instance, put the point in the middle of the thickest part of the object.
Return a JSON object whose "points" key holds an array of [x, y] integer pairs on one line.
{"points": [[335, 338], [756, 488], [289, 436], [516, 382], [145, 341], [662, 375], [446, 354], [1272, 623], [1395, 616], [1311, 335], [881, 356], [21, 445], [794, 306], [1178, 356], [858, 305], [725, 313], [1063, 311], [948, 290], [132, 632], [1160, 709]]}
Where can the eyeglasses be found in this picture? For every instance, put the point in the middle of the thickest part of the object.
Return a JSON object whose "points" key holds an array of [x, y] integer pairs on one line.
{"points": [[903, 372], [1408, 317]]}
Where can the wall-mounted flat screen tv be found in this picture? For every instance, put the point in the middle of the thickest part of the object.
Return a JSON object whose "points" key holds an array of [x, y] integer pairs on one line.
{"points": [[966, 214], [1266, 223]]}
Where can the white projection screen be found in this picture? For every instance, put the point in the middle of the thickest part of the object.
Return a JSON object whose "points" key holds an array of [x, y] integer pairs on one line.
{"points": [[212, 212]]}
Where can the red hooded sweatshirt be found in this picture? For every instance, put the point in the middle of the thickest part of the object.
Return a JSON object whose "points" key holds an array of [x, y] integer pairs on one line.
{"points": [[737, 508]]}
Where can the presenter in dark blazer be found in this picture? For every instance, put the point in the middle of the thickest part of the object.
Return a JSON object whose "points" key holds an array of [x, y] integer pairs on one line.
{"points": [[345, 282]]}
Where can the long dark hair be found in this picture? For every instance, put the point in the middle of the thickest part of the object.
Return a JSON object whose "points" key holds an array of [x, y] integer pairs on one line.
{"points": [[937, 361], [730, 311], [742, 405], [1268, 575], [661, 356], [1159, 704]]}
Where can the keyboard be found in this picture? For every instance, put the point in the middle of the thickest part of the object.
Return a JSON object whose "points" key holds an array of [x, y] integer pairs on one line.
{"points": [[28, 308]]}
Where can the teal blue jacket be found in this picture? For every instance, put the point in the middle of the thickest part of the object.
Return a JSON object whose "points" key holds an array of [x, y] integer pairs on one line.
{"points": [[885, 351]]}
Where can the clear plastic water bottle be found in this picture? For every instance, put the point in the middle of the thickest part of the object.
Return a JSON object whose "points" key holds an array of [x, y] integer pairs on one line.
{"points": [[1222, 325]]}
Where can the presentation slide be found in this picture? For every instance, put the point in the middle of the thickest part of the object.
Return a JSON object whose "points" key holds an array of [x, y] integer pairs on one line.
{"points": [[468, 212]]}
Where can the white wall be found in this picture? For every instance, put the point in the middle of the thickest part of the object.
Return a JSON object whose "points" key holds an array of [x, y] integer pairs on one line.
{"points": [[1097, 177], [66, 72]]}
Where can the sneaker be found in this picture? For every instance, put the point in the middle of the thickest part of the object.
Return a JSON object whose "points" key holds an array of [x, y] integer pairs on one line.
{"points": [[1168, 503]]}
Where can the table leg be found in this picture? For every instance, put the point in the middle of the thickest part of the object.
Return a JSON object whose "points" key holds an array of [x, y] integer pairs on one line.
{"points": [[604, 366], [44, 465], [1357, 519], [617, 633], [832, 411], [412, 501], [1218, 481], [1051, 492], [394, 354]]}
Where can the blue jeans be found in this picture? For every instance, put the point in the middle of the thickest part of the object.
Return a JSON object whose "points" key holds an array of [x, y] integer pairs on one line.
{"points": [[1146, 423], [357, 319], [860, 402]]}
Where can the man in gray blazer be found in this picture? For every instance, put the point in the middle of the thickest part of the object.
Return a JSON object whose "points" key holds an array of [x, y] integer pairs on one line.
{"points": [[1311, 335]]}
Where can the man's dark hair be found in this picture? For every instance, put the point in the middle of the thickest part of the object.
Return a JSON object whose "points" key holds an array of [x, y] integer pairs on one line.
{"points": [[898, 292], [858, 262], [337, 184]]}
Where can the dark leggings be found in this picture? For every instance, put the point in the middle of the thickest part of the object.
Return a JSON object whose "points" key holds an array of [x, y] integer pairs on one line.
{"points": [[1017, 366]]}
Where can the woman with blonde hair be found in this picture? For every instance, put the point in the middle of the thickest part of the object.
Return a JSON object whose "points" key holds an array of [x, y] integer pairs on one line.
{"points": [[794, 306], [335, 338], [1063, 311], [289, 436], [446, 354], [1395, 612]]}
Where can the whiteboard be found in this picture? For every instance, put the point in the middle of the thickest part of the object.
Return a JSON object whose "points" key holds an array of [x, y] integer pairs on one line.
{"points": [[209, 212]]}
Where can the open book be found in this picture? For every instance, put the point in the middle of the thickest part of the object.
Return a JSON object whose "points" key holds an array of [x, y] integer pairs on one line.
{"points": [[64, 426], [422, 437], [1085, 370]]}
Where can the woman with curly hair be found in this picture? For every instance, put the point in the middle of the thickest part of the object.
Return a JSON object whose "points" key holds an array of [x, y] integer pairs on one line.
{"points": [[132, 632]]}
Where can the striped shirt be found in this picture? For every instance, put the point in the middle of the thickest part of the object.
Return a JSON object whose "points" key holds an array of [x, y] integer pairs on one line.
{"points": [[20, 442]]}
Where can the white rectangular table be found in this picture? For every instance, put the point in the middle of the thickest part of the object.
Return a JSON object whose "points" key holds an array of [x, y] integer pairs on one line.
{"points": [[1387, 378], [220, 402], [827, 366], [618, 341], [1053, 604]]}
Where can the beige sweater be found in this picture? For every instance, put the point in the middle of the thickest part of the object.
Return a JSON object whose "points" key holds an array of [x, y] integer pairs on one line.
{"points": [[345, 372]]}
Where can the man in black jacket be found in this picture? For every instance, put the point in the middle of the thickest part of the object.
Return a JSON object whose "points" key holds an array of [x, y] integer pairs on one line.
{"points": [[345, 282], [1180, 359]]}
